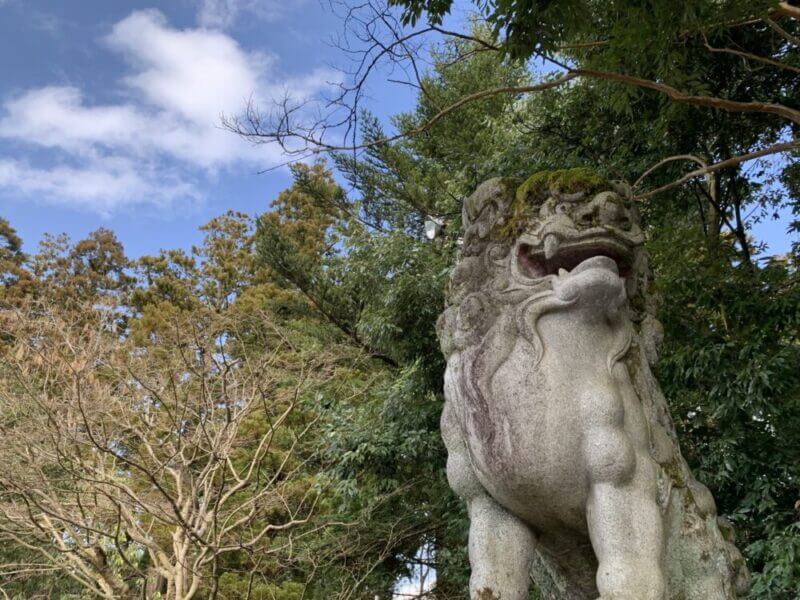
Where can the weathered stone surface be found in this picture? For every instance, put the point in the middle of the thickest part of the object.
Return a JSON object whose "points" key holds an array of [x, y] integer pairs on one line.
{"points": [[558, 436]]}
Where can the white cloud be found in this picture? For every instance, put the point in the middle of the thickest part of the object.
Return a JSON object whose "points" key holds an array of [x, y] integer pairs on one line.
{"points": [[178, 84], [193, 73]]}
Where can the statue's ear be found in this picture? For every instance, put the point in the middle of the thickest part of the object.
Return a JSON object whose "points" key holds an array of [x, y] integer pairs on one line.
{"points": [[490, 199]]}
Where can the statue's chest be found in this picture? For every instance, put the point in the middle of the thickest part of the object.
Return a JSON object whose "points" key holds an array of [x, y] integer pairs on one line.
{"points": [[526, 438]]}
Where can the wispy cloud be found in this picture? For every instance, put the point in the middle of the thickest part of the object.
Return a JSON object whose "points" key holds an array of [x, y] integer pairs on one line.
{"points": [[101, 185], [222, 14], [178, 84]]}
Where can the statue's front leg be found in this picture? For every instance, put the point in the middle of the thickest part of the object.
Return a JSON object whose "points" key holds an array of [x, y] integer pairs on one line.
{"points": [[500, 545], [625, 524], [500, 552], [626, 532]]}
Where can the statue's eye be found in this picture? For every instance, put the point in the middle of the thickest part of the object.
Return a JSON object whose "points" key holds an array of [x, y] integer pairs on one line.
{"points": [[561, 209]]}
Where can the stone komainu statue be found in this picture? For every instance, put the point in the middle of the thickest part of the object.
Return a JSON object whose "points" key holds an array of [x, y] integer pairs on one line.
{"points": [[558, 436]]}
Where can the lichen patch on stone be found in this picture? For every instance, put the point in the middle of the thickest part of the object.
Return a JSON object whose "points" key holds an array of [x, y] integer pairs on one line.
{"points": [[486, 594]]}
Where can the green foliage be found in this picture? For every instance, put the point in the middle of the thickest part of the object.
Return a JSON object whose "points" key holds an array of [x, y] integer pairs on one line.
{"points": [[15, 281], [455, 149], [381, 284], [530, 27], [730, 369], [233, 586]]}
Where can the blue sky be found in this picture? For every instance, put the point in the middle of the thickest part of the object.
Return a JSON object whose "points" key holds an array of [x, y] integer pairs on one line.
{"points": [[110, 111]]}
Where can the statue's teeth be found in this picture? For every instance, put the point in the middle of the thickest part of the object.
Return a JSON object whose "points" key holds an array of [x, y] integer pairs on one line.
{"points": [[550, 246]]}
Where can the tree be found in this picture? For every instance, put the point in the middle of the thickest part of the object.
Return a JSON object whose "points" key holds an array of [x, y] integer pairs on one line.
{"points": [[382, 290], [213, 275], [138, 465], [159, 436], [69, 273], [15, 281]]}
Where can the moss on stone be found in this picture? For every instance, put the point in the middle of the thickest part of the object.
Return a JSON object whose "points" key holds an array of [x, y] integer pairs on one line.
{"points": [[530, 194], [567, 181], [674, 472]]}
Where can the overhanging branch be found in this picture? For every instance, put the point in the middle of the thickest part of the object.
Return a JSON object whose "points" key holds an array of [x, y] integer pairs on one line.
{"points": [[680, 97], [731, 162]]}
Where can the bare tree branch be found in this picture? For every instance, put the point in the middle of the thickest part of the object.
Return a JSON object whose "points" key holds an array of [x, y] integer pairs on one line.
{"points": [[146, 450], [782, 32], [749, 56], [788, 10], [668, 160], [731, 162], [682, 98]]}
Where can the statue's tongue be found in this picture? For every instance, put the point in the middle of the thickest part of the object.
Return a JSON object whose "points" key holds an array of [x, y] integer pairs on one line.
{"points": [[595, 283], [596, 262]]}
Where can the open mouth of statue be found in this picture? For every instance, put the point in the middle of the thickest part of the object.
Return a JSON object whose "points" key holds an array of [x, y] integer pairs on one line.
{"points": [[554, 256]]}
